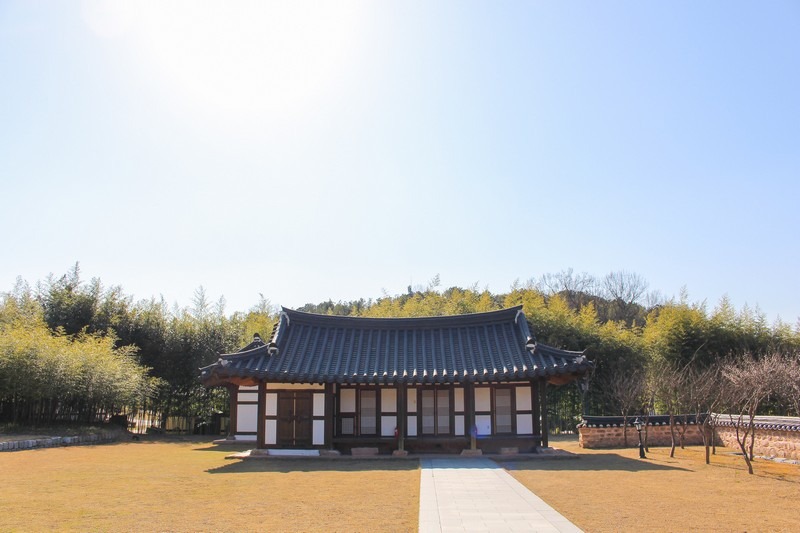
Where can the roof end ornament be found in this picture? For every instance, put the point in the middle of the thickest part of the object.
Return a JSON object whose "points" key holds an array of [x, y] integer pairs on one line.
{"points": [[522, 322]]}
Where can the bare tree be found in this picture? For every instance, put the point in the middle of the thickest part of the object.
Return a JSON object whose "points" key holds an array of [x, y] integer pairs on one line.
{"points": [[668, 382], [789, 382], [626, 391], [703, 398], [749, 381], [653, 299], [649, 399], [624, 290], [576, 289], [686, 396]]}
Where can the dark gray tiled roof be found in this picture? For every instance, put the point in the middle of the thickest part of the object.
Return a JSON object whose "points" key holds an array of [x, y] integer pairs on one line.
{"points": [[482, 347]]}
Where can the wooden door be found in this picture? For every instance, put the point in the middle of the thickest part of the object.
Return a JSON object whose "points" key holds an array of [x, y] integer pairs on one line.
{"points": [[294, 419], [303, 421], [285, 437]]}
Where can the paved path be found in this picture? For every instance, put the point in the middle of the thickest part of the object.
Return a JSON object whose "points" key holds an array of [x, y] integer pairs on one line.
{"points": [[475, 494]]}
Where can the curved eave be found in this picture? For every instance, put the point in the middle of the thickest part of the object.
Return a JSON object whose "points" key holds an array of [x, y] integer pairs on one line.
{"points": [[223, 372], [561, 366], [258, 349]]}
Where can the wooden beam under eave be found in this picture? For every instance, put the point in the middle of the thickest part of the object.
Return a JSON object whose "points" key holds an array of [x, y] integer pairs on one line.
{"points": [[243, 382], [562, 379], [215, 381]]}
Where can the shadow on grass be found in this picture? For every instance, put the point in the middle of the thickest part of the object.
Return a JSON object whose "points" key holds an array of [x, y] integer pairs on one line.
{"points": [[132, 438], [594, 462], [226, 448], [284, 465]]}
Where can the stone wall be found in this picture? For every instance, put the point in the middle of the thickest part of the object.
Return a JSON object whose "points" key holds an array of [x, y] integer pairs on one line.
{"points": [[608, 432], [775, 436], [54, 442]]}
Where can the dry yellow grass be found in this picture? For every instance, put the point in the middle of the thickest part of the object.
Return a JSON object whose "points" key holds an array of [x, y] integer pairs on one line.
{"points": [[190, 486], [614, 490]]}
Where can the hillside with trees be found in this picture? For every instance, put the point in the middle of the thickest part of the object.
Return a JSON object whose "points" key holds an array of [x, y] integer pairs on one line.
{"points": [[77, 350]]}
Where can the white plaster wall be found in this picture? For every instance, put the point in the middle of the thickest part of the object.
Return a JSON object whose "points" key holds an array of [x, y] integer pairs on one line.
{"points": [[412, 426], [458, 397], [247, 438], [319, 404], [318, 433], [248, 396], [252, 387], [271, 404], [388, 424], [411, 400], [389, 400], [459, 425], [524, 424], [523, 398], [483, 424], [347, 401], [246, 417], [483, 400], [271, 432]]}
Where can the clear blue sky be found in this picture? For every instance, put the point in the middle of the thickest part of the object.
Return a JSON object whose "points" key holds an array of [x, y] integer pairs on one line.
{"points": [[309, 151]]}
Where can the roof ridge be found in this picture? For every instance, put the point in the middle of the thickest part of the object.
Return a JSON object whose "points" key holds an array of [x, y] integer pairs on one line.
{"points": [[421, 321]]}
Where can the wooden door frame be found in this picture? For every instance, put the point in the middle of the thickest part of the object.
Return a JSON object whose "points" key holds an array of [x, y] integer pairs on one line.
{"points": [[307, 415]]}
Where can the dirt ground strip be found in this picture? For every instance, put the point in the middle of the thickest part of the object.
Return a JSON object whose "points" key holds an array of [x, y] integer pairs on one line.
{"points": [[614, 490]]}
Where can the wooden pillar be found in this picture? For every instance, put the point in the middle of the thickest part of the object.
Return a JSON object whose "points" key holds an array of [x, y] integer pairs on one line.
{"points": [[537, 413], [543, 391], [233, 392], [330, 406], [469, 414], [402, 408], [261, 423]]}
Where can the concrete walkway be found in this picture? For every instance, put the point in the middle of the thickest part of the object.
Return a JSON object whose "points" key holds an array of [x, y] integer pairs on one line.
{"points": [[475, 494]]}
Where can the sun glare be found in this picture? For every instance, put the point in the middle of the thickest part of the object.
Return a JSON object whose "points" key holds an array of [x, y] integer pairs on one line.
{"points": [[271, 59]]}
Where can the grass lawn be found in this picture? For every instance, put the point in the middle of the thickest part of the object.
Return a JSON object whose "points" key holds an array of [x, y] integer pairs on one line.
{"points": [[614, 490], [187, 485], [163, 485]]}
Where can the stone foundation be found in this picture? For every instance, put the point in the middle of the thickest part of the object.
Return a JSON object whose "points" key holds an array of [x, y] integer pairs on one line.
{"points": [[363, 452]]}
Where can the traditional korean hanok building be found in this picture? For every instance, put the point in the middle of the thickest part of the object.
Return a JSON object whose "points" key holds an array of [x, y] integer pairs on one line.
{"points": [[446, 383]]}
